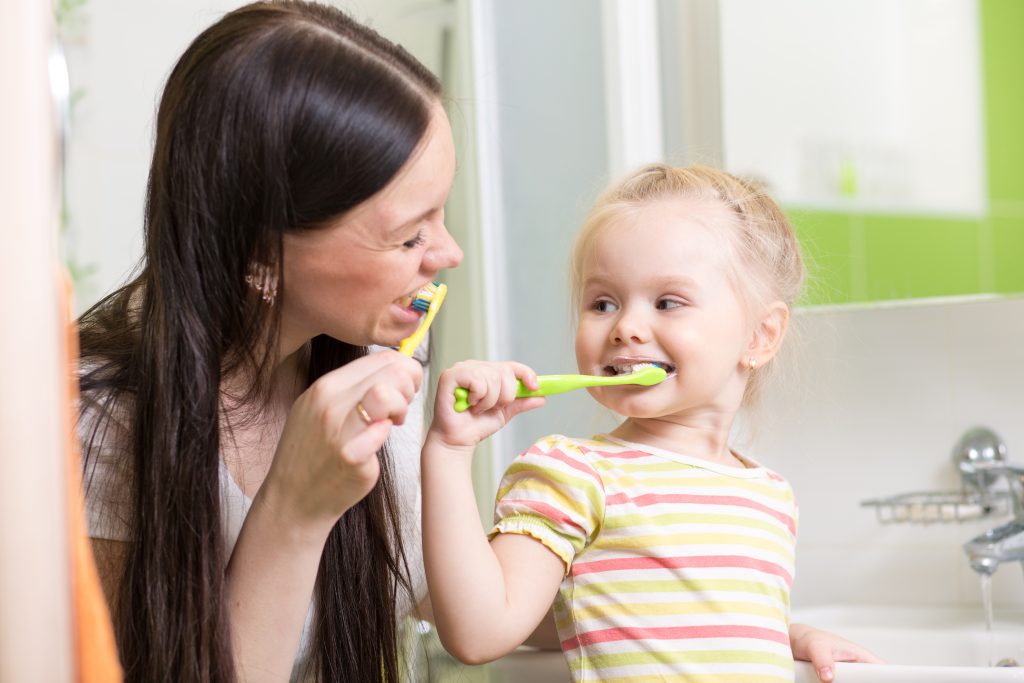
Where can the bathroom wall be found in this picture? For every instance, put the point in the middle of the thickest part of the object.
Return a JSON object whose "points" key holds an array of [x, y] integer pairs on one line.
{"points": [[869, 402], [120, 54]]}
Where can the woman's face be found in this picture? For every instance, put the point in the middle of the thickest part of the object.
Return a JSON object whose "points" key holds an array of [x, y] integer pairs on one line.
{"points": [[351, 280]]}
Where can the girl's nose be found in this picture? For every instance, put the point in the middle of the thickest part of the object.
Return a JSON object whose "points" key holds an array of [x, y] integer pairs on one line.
{"points": [[629, 329], [443, 253]]}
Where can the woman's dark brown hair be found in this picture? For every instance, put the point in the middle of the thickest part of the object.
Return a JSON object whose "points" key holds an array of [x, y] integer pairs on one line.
{"points": [[280, 117]]}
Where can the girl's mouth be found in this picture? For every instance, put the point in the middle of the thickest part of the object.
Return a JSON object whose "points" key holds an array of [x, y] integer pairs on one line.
{"points": [[629, 368]]}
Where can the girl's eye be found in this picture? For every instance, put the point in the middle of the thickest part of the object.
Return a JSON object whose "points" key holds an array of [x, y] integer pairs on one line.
{"points": [[604, 306], [667, 304], [414, 242]]}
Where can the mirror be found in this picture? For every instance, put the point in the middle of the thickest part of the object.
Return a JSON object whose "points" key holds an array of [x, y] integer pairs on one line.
{"points": [[888, 131]]}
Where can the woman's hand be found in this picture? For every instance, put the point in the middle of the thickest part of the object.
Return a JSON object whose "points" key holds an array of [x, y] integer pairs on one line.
{"points": [[326, 460], [492, 399], [823, 649]]}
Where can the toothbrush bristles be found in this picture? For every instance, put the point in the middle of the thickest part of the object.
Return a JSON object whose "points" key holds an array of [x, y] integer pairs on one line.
{"points": [[423, 298]]}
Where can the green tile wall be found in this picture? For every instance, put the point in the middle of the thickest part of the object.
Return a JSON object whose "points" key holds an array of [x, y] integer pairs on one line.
{"points": [[854, 257]]}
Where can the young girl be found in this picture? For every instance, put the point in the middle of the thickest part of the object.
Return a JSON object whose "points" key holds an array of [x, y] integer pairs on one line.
{"points": [[670, 553]]}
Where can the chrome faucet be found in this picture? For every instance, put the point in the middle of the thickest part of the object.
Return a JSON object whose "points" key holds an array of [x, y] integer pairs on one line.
{"points": [[1004, 543], [981, 459]]}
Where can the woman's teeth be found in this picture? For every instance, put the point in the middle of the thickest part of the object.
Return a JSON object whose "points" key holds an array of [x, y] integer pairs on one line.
{"points": [[405, 301]]}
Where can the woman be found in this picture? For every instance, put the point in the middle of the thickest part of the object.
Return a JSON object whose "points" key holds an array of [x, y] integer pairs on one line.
{"points": [[295, 202]]}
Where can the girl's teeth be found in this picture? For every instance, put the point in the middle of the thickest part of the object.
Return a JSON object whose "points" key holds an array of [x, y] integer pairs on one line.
{"points": [[636, 367]]}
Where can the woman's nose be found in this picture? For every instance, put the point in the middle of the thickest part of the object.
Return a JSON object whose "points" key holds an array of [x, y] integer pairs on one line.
{"points": [[444, 252]]}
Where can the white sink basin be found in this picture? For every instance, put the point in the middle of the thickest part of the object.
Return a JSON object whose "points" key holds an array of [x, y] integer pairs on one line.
{"points": [[919, 645]]}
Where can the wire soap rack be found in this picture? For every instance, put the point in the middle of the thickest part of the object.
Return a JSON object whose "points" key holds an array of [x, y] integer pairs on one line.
{"points": [[978, 455], [931, 507]]}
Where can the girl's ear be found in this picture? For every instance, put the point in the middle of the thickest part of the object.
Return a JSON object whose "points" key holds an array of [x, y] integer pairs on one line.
{"points": [[769, 333]]}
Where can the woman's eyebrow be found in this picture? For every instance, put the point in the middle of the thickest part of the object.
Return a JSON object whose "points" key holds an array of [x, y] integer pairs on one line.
{"points": [[412, 221]]}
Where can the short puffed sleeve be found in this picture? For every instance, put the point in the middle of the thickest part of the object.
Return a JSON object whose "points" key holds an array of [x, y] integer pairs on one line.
{"points": [[552, 493]]}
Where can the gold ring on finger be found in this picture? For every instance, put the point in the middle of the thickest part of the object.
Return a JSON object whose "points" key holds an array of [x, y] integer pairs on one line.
{"points": [[363, 414]]}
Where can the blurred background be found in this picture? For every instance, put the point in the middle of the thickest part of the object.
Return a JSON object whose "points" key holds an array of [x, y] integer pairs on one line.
{"points": [[890, 130]]}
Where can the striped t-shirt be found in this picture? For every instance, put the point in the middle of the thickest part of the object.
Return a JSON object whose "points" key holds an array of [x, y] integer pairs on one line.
{"points": [[678, 569]]}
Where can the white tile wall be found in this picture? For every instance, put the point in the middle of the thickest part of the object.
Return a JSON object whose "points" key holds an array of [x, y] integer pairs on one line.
{"points": [[869, 402]]}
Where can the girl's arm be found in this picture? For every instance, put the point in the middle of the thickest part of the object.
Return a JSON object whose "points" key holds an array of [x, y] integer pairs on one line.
{"points": [[487, 598]]}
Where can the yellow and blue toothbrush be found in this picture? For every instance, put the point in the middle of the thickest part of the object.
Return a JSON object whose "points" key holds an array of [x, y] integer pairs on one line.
{"points": [[428, 300], [548, 385]]}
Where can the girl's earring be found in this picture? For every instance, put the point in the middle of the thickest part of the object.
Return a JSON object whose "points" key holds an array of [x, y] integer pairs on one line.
{"points": [[752, 363], [263, 279]]}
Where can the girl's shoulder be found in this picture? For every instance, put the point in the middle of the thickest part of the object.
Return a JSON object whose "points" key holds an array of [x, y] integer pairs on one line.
{"points": [[576, 447]]}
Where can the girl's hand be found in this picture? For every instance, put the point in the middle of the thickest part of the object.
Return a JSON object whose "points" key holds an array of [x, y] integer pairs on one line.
{"points": [[492, 399], [326, 460], [823, 649]]}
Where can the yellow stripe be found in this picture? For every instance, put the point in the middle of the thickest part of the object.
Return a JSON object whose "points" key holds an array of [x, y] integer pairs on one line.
{"points": [[647, 658], [627, 542], [633, 521], [624, 609], [565, 496], [669, 586], [695, 678]]}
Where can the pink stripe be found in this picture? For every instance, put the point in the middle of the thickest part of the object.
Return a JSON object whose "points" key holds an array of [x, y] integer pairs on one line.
{"points": [[627, 455], [702, 561], [738, 501], [543, 509], [576, 465], [674, 633]]}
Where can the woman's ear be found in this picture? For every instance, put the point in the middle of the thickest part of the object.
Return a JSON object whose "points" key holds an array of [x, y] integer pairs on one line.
{"points": [[769, 333]]}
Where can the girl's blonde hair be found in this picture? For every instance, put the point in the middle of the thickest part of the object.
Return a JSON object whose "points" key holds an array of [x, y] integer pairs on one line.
{"points": [[766, 266]]}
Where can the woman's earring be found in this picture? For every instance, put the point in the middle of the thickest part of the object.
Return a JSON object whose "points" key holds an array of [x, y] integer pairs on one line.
{"points": [[263, 279], [752, 363]]}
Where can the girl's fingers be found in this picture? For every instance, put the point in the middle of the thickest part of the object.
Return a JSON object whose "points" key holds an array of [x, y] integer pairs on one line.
{"points": [[526, 374], [523, 405], [509, 385]]}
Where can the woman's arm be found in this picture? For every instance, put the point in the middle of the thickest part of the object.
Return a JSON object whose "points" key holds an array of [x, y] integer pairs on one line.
{"points": [[325, 462], [487, 598]]}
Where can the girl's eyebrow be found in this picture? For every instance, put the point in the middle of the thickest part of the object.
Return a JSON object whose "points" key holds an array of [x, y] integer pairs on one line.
{"points": [[663, 282], [671, 281]]}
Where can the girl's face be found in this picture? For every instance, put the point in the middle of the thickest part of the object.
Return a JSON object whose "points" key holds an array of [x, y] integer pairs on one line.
{"points": [[656, 288], [353, 280]]}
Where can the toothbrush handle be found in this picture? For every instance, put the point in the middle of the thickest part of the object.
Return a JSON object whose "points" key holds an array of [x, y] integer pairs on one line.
{"points": [[548, 385]]}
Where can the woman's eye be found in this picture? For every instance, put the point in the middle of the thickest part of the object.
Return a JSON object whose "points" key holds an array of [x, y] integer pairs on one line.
{"points": [[414, 242]]}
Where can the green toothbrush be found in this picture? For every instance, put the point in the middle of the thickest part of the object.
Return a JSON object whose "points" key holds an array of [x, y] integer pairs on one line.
{"points": [[559, 384]]}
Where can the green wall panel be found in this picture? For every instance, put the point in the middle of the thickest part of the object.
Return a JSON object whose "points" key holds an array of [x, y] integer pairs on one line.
{"points": [[910, 257], [1008, 248], [1002, 31], [826, 244]]}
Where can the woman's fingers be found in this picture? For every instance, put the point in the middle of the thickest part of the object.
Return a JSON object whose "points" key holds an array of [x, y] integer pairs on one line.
{"points": [[380, 402], [360, 452], [354, 379]]}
